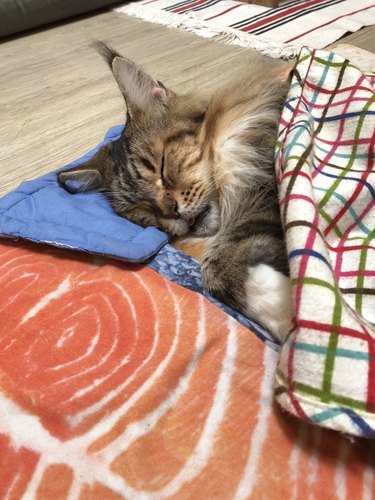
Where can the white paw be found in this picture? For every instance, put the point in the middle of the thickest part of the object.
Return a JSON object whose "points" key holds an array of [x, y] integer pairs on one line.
{"points": [[269, 299]]}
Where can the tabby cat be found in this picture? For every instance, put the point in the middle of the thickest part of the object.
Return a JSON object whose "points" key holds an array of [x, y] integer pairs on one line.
{"points": [[202, 168]]}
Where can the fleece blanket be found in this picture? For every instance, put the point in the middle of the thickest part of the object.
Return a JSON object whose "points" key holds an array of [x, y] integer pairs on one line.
{"points": [[117, 383]]}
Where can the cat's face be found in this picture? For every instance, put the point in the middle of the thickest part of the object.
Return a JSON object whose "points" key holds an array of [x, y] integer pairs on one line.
{"points": [[158, 173], [169, 169]]}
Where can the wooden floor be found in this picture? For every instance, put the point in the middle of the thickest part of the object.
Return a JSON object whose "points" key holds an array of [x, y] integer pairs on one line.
{"points": [[57, 97]]}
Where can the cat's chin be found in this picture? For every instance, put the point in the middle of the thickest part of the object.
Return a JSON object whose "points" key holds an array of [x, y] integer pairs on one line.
{"points": [[207, 222], [204, 223], [175, 227]]}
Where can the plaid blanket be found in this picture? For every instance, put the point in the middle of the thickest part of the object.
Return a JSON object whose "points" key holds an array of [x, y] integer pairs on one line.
{"points": [[325, 166]]}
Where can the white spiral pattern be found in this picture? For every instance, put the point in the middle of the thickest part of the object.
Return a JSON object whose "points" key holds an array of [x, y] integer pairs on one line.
{"points": [[116, 383]]}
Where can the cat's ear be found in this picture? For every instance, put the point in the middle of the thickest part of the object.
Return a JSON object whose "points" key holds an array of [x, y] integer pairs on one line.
{"points": [[141, 91], [92, 174]]}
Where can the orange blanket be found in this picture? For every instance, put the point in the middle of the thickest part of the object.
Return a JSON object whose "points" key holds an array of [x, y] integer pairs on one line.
{"points": [[117, 383]]}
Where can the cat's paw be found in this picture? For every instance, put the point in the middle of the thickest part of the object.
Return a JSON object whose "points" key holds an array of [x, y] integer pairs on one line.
{"points": [[259, 292], [223, 277], [269, 299]]}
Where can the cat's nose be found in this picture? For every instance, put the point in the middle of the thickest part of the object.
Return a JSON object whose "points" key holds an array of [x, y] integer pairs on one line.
{"points": [[173, 212]]}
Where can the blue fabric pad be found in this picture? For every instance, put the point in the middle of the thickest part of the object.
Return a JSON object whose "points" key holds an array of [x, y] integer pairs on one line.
{"points": [[41, 211]]}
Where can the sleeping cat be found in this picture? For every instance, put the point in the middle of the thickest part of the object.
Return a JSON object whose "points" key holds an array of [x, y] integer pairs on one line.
{"points": [[202, 168]]}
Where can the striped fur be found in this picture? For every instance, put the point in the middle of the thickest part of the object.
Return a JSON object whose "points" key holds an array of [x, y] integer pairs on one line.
{"points": [[201, 168]]}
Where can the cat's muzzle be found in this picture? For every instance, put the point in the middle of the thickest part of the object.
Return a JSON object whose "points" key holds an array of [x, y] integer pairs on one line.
{"points": [[198, 218]]}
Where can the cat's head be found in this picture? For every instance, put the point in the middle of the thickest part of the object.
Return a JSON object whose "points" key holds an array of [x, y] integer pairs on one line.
{"points": [[158, 172]]}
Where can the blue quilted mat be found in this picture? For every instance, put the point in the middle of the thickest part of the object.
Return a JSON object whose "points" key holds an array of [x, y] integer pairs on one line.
{"points": [[41, 211]]}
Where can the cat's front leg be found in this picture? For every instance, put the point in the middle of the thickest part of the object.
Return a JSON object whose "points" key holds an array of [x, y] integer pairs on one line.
{"points": [[235, 273]]}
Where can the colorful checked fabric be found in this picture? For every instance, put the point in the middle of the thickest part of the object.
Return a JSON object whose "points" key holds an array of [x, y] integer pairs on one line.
{"points": [[325, 167]]}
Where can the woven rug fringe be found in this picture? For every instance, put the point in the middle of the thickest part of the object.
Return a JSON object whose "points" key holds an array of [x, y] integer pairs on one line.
{"points": [[222, 34]]}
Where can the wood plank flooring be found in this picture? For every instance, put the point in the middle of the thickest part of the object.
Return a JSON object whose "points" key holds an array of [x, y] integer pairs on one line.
{"points": [[364, 38], [57, 98]]}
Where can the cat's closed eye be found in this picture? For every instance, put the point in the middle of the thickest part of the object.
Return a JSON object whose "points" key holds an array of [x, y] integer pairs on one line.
{"points": [[144, 205], [148, 164], [166, 180], [162, 166]]}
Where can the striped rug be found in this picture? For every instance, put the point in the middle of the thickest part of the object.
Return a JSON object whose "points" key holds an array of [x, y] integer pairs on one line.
{"points": [[278, 32]]}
